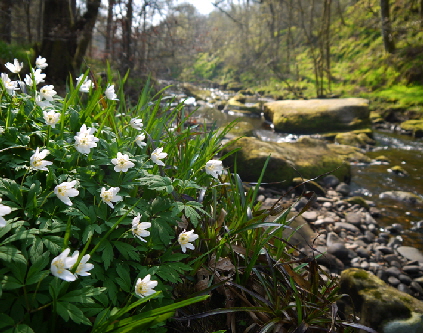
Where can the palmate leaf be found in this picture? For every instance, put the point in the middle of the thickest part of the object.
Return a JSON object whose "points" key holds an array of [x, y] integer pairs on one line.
{"points": [[156, 182], [127, 250], [68, 311], [171, 271]]}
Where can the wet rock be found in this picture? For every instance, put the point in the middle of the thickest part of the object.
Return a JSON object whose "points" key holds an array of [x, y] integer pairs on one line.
{"points": [[393, 271], [411, 269], [393, 281], [405, 279], [385, 249], [407, 197], [362, 252], [374, 300], [403, 288]]}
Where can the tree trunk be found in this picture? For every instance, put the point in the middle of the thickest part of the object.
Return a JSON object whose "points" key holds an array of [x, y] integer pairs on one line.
{"points": [[388, 40], [6, 21], [85, 25], [60, 44], [109, 29]]}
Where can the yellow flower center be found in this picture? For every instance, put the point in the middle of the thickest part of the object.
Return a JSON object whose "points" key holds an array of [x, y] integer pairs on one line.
{"points": [[36, 162], [183, 239], [142, 288], [107, 196], [60, 265]]}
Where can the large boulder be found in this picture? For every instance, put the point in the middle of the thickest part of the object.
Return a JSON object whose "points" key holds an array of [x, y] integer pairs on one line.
{"points": [[379, 305], [318, 115], [290, 160]]}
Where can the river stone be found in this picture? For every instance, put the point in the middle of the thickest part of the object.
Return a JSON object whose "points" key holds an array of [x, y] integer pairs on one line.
{"points": [[410, 253], [330, 181], [347, 226], [309, 216], [407, 197], [343, 188], [318, 115], [414, 126], [288, 160], [376, 302], [353, 218]]}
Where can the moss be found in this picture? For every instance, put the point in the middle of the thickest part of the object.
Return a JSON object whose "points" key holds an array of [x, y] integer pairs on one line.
{"points": [[414, 126], [318, 116], [358, 201]]}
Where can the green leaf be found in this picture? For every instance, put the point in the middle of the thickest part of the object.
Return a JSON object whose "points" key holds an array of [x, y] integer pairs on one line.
{"points": [[83, 295], [172, 271], [124, 279], [5, 320], [156, 182], [127, 250], [107, 254], [22, 328], [11, 190], [68, 310], [11, 254]]}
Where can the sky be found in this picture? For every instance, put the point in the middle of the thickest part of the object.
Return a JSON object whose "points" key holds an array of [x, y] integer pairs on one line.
{"points": [[203, 6]]}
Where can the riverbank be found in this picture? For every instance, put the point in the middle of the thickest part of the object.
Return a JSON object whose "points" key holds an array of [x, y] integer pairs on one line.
{"points": [[346, 234]]}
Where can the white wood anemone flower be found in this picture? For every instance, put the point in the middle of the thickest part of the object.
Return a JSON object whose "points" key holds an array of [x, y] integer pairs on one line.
{"points": [[41, 62], [47, 92], [9, 85], [83, 266], [109, 196], [37, 161], [136, 123], [4, 210], [86, 84], [144, 287], [122, 163], [157, 155], [66, 190], [85, 140], [51, 118], [110, 93], [15, 68], [186, 238], [214, 168], [61, 264], [36, 76], [139, 228], [139, 140]]}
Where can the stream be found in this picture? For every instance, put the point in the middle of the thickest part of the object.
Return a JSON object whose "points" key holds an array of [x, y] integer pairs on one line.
{"points": [[368, 180]]}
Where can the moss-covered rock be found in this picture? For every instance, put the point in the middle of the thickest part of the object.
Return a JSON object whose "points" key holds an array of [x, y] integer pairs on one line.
{"points": [[353, 139], [289, 160], [242, 128], [376, 303], [198, 93], [318, 115], [238, 102], [414, 126], [358, 201]]}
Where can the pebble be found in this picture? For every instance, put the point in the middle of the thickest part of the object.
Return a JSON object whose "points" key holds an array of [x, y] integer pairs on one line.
{"points": [[349, 236]]}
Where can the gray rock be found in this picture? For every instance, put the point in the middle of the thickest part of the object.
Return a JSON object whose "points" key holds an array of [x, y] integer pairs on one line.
{"points": [[353, 218], [309, 216], [333, 238], [343, 189], [339, 250], [410, 253], [403, 288], [405, 279], [393, 281], [407, 197], [347, 226], [364, 253], [411, 269], [393, 271], [390, 258], [330, 181], [384, 249]]}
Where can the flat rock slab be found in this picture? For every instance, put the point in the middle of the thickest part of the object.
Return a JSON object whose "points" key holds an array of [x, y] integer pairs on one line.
{"points": [[318, 115], [410, 253]]}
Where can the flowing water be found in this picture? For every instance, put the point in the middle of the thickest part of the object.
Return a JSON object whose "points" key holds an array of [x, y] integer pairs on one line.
{"points": [[368, 180]]}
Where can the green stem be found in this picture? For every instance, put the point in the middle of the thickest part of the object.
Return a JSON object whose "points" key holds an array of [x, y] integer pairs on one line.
{"points": [[67, 234], [113, 228]]}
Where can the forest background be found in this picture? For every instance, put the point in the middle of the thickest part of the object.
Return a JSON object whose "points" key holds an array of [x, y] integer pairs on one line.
{"points": [[288, 48]]}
